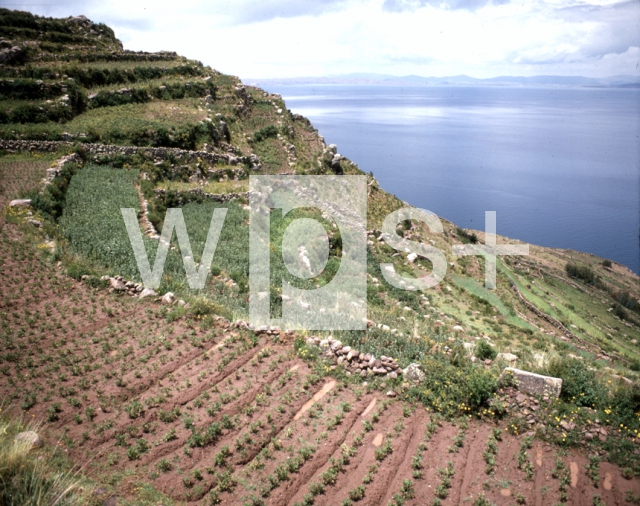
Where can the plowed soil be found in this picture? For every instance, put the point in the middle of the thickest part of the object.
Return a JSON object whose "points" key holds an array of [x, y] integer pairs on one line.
{"points": [[211, 413]]}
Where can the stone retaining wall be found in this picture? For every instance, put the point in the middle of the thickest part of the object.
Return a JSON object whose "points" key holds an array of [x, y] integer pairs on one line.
{"points": [[197, 194], [154, 152]]}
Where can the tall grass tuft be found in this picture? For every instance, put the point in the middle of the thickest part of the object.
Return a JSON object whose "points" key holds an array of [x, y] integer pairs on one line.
{"points": [[31, 477]]}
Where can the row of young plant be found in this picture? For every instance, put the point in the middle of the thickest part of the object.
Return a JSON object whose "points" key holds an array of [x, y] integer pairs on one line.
{"points": [[330, 476], [455, 385]]}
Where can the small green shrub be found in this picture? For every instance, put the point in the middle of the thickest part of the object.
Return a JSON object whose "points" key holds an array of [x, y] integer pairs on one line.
{"points": [[485, 351], [579, 383], [134, 409], [357, 494]]}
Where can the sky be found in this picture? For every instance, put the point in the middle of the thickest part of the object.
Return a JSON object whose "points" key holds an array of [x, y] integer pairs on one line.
{"points": [[295, 38]]}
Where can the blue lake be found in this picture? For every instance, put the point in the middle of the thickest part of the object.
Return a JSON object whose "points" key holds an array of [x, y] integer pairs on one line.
{"points": [[561, 166]]}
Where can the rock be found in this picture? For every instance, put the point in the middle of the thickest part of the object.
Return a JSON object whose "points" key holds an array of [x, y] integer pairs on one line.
{"points": [[117, 284], [458, 328], [30, 438], [622, 379], [414, 372], [391, 393], [392, 375], [78, 20], [412, 257], [507, 357], [147, 292], [535, 384], [182, 303], [538, 358], [20, 203], [168, 298], [35, 223], [112, 501]]}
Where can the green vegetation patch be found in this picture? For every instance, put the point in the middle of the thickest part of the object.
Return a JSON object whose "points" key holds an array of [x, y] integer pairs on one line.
{"points": [[93, 224]]}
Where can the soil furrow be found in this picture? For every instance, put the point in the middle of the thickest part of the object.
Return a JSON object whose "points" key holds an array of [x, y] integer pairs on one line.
{"points": [[322, 455]]}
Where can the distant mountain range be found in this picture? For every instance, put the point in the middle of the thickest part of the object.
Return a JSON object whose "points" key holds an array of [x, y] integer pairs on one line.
{"points": [[621, 81]]}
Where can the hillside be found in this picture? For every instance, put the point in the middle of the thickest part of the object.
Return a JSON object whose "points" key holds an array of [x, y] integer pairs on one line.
{"points": [[174, 398]]}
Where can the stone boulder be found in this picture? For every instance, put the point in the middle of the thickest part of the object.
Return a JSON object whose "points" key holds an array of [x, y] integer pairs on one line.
{"points": [[20, 203], [29, 438], [117, 284], [507, 357], [168, 298], [147, 292], [535, 384], [79, 20], [414, 372]]}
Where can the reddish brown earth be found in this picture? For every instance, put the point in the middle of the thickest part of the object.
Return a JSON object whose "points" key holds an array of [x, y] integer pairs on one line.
{"points": [[79, 358]]}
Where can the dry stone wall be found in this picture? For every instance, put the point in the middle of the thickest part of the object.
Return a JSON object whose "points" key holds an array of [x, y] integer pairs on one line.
{"points": [[155, 152]]}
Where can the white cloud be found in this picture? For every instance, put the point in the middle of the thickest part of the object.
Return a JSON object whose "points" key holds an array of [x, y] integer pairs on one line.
{"points": [[288, 38]]}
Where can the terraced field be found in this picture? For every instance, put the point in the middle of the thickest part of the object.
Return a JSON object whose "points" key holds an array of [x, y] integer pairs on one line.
{"points": [[209, 412], [183, 402]]}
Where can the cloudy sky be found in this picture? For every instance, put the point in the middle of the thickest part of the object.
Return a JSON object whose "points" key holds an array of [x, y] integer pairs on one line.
{"points": [[292, 38]]}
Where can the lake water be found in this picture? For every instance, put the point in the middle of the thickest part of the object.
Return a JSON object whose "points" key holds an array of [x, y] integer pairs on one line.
{"points": [[561, 166]]}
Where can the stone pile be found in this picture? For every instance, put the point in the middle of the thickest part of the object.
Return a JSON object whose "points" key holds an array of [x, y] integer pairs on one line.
{"points": [[356, 362], [269, 330], [592, 431], [523, 406], [119, 284]]}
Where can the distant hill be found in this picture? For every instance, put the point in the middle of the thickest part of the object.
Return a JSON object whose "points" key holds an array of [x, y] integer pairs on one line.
{"points": [[626, 81]]}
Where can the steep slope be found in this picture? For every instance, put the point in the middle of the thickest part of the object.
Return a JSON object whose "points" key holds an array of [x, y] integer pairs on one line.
{"points": [[203, 409]]}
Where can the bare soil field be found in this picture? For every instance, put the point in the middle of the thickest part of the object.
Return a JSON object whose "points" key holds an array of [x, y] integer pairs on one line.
{"points": [[210, 413]]}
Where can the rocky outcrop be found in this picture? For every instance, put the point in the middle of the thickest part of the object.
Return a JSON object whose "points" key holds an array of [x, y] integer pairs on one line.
{"points": [[414, 373], [7, 55]]}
